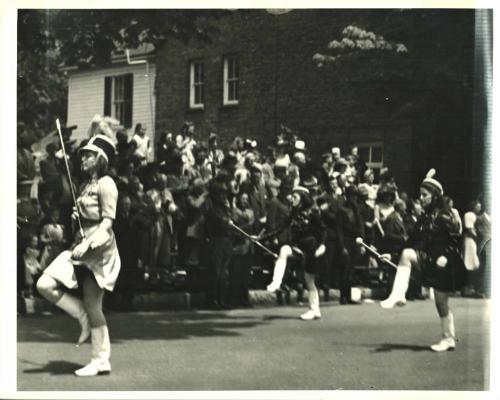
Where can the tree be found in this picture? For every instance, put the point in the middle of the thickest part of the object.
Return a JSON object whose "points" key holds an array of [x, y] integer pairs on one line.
{"points": [[102, 32], [49, 39], [41, 86]]}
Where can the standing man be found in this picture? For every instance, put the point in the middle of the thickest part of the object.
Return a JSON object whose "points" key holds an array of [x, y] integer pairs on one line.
{"points": [[143, 150]]}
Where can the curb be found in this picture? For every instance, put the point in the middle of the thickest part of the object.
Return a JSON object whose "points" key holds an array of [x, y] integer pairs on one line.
{"points": [[180, 301]]}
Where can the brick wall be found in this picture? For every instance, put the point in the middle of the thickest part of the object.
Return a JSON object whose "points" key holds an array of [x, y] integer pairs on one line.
{"points": [[281, 84]]}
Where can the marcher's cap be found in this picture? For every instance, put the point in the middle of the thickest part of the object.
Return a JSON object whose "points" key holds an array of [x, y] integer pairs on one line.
{"points": [[432, 184], [336, 150], [102, 145]]}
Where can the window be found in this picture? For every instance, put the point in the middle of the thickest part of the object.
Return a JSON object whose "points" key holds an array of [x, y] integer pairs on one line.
{"points": [[118, 98], [196, 84], [373, 155], [231, 81]]}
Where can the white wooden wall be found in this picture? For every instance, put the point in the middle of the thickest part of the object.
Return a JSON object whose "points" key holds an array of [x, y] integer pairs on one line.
{"points": [[86, 97]]}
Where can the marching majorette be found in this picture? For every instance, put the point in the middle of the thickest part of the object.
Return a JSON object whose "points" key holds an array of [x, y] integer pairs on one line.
{"points": [[306, 241], [93, 260], [436, 252]]}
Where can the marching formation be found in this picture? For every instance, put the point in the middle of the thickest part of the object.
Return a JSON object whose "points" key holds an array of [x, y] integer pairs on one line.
{"points": [[229, 209]]}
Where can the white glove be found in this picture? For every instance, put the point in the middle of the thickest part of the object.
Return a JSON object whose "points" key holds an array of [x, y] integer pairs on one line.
{"points": [[320, 251], [441, 261], [98, 238], [172, 208]]}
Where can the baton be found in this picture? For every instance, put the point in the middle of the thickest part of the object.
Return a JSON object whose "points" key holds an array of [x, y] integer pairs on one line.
{"points": [[69, 177], [252, 239], [360, 242]]}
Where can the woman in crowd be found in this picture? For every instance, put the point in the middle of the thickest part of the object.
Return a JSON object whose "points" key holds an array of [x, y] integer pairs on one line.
{"points": [[436, 253], [92, 260]]}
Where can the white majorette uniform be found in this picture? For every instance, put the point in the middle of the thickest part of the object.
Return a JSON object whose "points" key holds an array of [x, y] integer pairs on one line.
{"points": [[97, 200]]}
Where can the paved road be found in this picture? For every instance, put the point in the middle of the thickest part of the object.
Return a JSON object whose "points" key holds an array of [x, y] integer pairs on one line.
{"points": [[351, 347]]}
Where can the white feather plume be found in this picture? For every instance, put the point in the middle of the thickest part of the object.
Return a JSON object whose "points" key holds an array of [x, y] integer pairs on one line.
{"points": [[430, 174]]}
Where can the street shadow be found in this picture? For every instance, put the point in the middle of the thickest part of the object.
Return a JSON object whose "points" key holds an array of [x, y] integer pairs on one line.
{"points": [[59, 367], [388, 347], [142, 326], [279, 317]]}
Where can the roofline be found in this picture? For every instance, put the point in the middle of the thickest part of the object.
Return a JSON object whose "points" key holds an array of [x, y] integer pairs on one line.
{"points": [[121, 59]]}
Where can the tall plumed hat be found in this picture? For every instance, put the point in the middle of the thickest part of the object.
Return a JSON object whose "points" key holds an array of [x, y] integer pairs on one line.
{"points": [[103, 146], [432, 184], [106, 126]]}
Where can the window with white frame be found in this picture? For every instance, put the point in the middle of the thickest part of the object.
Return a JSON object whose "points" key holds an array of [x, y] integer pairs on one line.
{"points": [[118, 98], [231, 81], [196, 84], [373, 155]]}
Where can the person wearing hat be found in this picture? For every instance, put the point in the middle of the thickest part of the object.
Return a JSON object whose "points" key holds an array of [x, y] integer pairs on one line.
{"points": [[436, 253], [218, 215], [306, 242], [93, 260], [350, 226]]}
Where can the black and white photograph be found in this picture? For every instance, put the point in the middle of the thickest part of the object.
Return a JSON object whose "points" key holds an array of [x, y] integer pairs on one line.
{"points": [[248, 202]]}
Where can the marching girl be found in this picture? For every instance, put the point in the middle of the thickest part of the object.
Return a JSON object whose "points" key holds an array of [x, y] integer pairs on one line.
{"points": [[436, 252], [307, 242], [94, 258]]}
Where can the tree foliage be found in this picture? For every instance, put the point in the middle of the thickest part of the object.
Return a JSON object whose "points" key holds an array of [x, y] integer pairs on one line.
{"points": [[49, 39], [89, 37], [416, 62], [41, 86]]}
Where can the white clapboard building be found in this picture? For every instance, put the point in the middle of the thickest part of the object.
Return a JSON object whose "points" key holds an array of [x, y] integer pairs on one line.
{"points": [[124, 90]]}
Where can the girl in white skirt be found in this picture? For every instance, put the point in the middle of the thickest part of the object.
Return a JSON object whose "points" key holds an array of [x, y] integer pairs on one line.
{"points": [[95, 256]]}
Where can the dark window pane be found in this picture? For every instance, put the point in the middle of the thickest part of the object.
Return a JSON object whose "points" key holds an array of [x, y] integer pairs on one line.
{"points": [[376, 154], [364, 153]]}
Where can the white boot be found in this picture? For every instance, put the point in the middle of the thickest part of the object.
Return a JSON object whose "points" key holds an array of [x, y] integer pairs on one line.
{"points": [[448, 329], [74, 307], [313, 312], [279, 272], [397, 296], [101, 351]]}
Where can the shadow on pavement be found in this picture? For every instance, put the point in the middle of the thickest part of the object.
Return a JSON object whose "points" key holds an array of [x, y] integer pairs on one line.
{"points": [[142, 326], [387, 347], [278, 317], [58, 367]]}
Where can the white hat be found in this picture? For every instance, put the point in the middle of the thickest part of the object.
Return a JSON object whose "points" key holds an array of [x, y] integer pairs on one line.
{"points": [[431, 183], [336, 150], [300, 145], [102, 145]]}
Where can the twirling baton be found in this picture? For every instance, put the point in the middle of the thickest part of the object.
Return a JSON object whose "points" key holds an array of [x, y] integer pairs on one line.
{"points": [[360, 242], [69, 177], [252, 239]]}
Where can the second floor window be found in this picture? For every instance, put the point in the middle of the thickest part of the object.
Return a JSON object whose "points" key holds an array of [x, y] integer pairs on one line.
{"points": [[196, 84], [231, 81], [118, 98]]}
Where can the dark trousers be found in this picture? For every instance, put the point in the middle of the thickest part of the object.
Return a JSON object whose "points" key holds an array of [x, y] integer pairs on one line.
{"points": [[346, 265], [220, 251], [239, 279]]}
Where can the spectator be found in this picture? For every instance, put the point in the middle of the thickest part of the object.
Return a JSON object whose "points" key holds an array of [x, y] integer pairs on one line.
{"points": [[143, 150]]}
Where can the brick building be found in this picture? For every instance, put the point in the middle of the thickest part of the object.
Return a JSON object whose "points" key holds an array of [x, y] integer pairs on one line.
{"points": [[258, 73]]}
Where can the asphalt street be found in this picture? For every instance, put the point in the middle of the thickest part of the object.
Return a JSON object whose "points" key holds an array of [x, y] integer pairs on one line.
{"points": [[352, 347]]}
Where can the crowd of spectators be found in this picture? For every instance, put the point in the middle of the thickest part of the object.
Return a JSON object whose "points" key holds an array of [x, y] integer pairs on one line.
{"points": [[167, 223]]}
